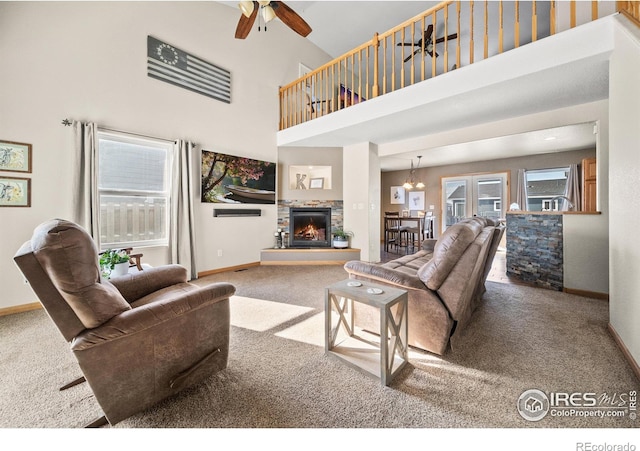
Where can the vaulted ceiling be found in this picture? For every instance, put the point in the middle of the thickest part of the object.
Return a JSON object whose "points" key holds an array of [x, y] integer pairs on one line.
{"points": [[339, 26]]}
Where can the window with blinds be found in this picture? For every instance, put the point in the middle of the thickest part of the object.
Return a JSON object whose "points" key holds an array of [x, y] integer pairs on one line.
{"points": [[134, 190]]}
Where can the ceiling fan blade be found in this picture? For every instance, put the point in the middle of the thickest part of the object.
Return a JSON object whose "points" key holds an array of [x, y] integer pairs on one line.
{"points": [[245, 23], [290, 18], [449, 38], [428, 32], [411, 56]]}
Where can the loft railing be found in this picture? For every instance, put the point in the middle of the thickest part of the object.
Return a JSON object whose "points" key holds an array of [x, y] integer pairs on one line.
{"points": [[463, 33], [631, 10]]}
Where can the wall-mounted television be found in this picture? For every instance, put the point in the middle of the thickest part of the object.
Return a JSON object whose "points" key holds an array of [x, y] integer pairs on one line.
{"points": [[237, 180]]}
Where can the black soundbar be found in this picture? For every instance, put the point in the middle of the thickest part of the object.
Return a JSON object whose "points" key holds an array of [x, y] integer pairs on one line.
{"points": [[227, 212]]}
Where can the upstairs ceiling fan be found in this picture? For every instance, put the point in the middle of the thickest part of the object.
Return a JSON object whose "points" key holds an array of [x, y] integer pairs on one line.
{"points": [[269, 10], [429, 44]]}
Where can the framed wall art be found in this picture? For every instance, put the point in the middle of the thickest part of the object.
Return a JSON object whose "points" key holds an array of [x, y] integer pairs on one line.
{"points": [[416, 200], [15, 192], [237, 180], [15, 157], [317, 183], [397, 195]]}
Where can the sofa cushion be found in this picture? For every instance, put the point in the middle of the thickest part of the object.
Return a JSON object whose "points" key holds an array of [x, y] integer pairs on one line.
{"points": [[447, 251], [70, 257], [410, 264]]}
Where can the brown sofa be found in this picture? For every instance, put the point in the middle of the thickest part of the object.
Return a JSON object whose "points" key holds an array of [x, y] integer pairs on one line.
{"points": [[445, 281], [138, 338]]}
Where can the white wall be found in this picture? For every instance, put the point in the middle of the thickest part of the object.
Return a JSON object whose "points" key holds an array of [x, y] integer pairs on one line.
{"points": [[624, 191], [87, 61], [361, 169]]}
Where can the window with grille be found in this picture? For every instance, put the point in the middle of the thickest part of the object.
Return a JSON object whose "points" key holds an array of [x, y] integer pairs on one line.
{"points": [[133, 189]]}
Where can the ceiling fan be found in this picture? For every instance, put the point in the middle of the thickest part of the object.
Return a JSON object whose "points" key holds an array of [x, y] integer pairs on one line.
{"points": [[429, 44], [268, 11]]}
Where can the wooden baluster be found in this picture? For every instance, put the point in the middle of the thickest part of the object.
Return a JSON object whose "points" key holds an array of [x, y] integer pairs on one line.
{"points": [[534, 21], [367, 59], [472, 44], [393, 63], [422, 52], [433, 58], [413, 68], [402, 39], [486, 29], [360, 73], [552, 15], [594, 10], [446, 41], [384, 66], [516, 29], [353, 79], [573, 13], [333, 88]]}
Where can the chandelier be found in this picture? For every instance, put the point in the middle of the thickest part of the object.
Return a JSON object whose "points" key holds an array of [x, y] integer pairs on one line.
{"points": [[410, 183]]}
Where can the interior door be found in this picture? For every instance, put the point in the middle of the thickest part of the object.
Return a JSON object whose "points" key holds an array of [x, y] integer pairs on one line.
{"points": [[473, 195]]}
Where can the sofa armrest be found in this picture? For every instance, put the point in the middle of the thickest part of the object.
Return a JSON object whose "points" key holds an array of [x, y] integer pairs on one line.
{"points": [[429, 244], [136, 285], [153, 314], [375, 273]]}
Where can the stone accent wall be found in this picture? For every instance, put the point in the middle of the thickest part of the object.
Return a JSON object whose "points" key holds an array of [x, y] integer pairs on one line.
{"points": [[337, 211], [534, 249]]}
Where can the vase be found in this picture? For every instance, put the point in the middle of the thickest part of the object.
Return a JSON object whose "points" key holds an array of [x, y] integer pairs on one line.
{"points": [[120, 269], [340, 242]]}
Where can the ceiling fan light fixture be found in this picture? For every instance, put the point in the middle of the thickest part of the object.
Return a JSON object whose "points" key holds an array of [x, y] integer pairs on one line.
{"points": [[264, 2], [268, 14], [246, 8]]}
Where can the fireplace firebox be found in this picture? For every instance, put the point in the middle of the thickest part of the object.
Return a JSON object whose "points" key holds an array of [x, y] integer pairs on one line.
{"points": [[310, 227]]}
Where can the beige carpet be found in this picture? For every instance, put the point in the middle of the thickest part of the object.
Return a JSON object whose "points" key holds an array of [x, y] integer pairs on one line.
{"points": [[278, 376]]}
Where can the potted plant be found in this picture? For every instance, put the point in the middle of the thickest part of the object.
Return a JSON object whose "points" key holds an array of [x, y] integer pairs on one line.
{"points": [[114, 262], [341, 238]]}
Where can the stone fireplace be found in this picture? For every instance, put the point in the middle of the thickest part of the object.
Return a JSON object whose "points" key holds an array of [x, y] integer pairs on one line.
{"points": [[309, 227]]}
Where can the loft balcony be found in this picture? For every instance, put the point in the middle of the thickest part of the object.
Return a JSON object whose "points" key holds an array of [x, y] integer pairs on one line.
{"points": [[510, 58]]}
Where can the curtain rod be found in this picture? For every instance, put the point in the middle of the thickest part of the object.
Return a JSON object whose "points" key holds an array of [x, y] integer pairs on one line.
{"points": [[66, 122]]}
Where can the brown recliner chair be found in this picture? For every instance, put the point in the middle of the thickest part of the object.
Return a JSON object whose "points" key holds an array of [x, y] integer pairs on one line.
{"points": [[138, 338]]}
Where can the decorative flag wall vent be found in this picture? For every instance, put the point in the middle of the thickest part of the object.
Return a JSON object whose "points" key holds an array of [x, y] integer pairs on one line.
{"points": [[172, 65]]}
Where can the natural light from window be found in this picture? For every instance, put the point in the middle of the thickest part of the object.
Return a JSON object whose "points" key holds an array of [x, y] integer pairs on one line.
{"points": [[133, 188]]}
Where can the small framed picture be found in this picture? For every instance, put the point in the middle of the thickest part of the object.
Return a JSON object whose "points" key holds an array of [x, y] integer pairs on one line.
{"points": [[317, 183], [397, 195], [15, 192], [15, 157], [406, 214], [416, 200]]}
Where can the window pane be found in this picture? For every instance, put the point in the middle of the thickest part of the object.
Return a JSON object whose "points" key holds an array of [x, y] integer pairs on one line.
{"points": [[543, 185], [132, 219], [128, 166], [456, 197]]}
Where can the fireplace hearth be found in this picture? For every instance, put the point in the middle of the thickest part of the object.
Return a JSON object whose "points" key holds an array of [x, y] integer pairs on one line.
{"points": [[309, 227]]}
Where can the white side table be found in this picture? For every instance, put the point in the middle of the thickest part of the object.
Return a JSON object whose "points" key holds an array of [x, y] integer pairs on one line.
{"points": [[382, 357]]}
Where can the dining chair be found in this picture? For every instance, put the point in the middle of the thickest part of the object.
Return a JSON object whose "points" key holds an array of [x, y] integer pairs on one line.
{"points": [[394, 231]]}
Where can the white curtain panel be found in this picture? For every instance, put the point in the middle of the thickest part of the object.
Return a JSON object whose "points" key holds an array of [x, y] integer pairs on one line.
{"points": [[572, 190], [85, 193], [182, 238], [521, 193]]}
